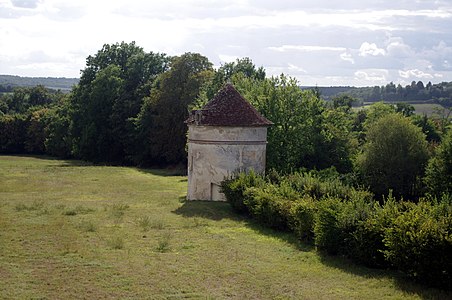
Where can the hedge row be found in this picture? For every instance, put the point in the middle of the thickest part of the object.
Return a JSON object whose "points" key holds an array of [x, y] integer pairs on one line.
{"points": [[341, 220]]}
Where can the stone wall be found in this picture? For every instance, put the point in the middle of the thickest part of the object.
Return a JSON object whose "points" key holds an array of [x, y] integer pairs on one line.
{"points": [[216, 153]]}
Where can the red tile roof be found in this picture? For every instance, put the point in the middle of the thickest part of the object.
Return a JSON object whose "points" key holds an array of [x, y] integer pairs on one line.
{"points": [[228, 108]]}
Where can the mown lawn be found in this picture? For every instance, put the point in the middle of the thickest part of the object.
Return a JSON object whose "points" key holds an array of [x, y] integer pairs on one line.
{"points": [[428, 109], [71, 230]]}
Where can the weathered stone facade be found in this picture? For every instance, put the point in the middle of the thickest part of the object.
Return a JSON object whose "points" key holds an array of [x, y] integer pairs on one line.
{"points": [[227, 136]]}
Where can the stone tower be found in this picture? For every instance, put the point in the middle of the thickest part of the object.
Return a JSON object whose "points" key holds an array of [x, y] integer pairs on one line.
{"points": [[227, 135]]}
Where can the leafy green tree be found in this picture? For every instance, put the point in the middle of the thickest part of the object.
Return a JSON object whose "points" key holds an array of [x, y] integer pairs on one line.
{"points": [[24, 98], [343, 101], [405, 109], [109, 96], [13, 133], [243, 66], [58, 142], [428, 127], [160, 124], [394, 156], [377, 111], [438, 177], [305, 134], [96, 141], [339, 143], [36, 133]]}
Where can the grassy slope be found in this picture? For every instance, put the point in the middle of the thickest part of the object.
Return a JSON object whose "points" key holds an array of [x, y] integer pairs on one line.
{"points": [[429, 109], [69, 230]]}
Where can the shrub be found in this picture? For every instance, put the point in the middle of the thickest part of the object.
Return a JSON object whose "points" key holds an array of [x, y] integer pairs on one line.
{"points": [[234, 189], [419, 243], [339, 227], [316, 185], [328, 236], [301, 218], [366, 244], [268, 206], [414, 238]]}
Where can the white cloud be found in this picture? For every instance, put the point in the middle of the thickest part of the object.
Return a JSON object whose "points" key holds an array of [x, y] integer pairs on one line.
{"points": [[286, 48], [296, 69], [227, 58], [347, 57], [415, 73], [397, 48], [368, 49], [319, 42], [26, 3], [372, 75]]}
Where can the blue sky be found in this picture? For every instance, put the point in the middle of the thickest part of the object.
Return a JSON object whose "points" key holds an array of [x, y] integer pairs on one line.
{"points": [[328, 43]]}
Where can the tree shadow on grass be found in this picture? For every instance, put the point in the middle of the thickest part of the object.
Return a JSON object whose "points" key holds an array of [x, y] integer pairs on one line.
{"points": [[62, 162], [284, 236], [212, 210], [222, 210], [164, 172], [401, 281]]}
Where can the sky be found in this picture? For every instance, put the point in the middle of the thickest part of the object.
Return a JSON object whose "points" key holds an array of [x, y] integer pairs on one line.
{"points": [[322, 42]]}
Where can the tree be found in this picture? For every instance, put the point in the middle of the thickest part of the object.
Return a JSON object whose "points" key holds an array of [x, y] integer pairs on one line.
{"points": [[428, 127], [36, 133], [160, 124], [344, 101], [108, 98], [339, 143], [58, 141], [244, 66], [306, 133], [13, 133], [394, 156], [376, 111], [405, 109], [95, 140], [438, 177]]}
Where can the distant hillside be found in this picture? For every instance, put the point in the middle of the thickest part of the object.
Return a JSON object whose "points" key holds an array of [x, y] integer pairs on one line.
{"points": [[329, 92], [64, 84], [416, 92]]}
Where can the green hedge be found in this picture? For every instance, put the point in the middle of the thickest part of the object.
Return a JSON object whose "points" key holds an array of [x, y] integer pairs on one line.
{"points": [[342, 220], [419, 242]]}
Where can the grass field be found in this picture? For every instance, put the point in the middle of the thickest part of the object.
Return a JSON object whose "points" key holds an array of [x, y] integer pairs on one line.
{"points": [[429, 109], [69, 230]]}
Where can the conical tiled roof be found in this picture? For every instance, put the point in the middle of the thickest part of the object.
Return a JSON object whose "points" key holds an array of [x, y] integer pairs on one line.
{"points": [[228, 108]]}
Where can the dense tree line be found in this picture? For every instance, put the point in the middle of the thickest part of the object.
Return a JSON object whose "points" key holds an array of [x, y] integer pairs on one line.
{"points": [[440, 93], [130, 105], [6, 88]]}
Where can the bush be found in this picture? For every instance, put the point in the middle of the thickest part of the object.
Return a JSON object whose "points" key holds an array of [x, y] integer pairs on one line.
{"points": [[366, 245], [328, 235], [301, 218], [314, 185], [268, 206], [419, 242], [234, 189], [414, 238]]}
